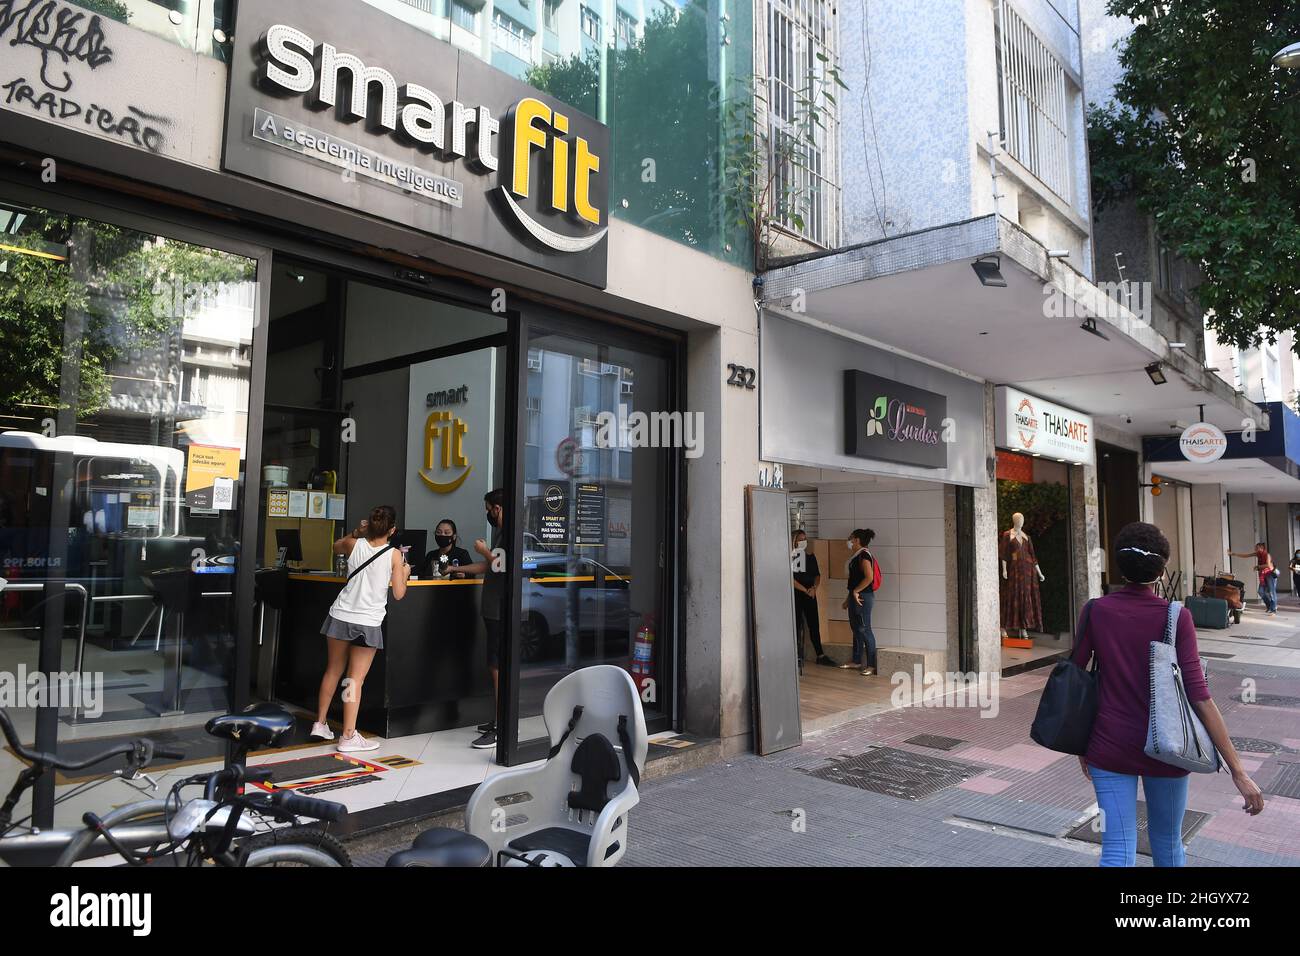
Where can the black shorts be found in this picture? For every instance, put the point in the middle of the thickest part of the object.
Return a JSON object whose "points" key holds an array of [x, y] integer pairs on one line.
{"points": [[495, 635]]}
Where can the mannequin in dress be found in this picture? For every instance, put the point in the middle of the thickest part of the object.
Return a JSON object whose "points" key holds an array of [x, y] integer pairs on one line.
{"points": [[1022, 608]]}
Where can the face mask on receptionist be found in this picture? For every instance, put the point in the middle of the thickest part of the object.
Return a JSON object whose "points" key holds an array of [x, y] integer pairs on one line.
{"points": [[444, 540]]}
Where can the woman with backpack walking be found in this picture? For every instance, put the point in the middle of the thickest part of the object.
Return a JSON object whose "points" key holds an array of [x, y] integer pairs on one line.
{"points": [[353, 629], [862, 572]]}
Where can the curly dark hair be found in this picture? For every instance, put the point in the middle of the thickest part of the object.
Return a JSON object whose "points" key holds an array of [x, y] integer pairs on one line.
{"points": [[1141, 552]]}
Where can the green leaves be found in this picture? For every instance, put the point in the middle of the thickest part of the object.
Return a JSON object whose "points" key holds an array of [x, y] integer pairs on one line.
{"points": [[1205, 133]]}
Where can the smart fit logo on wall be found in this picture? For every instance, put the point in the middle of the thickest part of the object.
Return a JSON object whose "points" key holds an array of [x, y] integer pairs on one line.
{"points": [[293, 62], [446, 433]]}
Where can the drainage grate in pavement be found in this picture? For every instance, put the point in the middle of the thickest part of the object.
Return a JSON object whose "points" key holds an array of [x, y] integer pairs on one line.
{"points": [[896, 773], [1286, 782], [934, 741], [1272, 700], [1257, 745], [1222, 657], [1089, 832]]}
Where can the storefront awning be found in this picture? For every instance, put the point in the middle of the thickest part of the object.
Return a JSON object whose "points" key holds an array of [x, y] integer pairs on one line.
{"points": [[917, 293], [1264, 463]]}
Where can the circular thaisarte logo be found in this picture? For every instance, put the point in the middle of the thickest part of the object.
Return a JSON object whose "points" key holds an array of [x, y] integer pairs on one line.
{"points": [[1026, 423], [1203, 443]]}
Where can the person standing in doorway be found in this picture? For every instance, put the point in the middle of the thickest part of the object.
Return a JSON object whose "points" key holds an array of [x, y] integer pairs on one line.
{"points": [[1267, 575], [353, 629], [861, 570], [1295, 573], [807, 579], [1118, 630], [492, 567]]}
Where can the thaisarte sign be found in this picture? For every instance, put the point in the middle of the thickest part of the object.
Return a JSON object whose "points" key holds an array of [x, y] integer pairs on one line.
{"points": [[341, 101], [1035, 426]]}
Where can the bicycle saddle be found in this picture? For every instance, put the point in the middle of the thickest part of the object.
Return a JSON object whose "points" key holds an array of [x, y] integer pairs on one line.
{"points": [[262, 725], [444, 847]]}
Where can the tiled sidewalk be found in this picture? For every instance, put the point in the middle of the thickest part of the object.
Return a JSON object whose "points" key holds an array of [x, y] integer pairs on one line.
{"points": [[1015, 808]]}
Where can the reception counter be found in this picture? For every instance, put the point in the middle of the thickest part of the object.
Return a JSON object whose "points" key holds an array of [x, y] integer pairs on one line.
{"points": [[431, 675]]}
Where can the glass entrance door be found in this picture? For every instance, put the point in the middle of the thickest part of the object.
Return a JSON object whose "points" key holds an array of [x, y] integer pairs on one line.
{"points": [[599, 437]]}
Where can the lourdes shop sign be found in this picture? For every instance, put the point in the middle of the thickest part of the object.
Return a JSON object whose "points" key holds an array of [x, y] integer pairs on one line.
{"points": [[341, 101], [890, 421], [1035, 426]]}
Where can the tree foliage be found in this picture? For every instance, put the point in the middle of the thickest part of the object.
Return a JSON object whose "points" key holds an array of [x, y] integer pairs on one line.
{"points": [[1205, 132]]}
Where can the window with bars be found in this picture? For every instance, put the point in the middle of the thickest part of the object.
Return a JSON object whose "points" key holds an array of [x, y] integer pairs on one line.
{"points": [[1033, 102], [513, 37], [799, 34]]}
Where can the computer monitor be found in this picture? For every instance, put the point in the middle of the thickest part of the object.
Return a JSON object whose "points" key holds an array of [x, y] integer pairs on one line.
{"points": [[417, 538], [289, 543]]}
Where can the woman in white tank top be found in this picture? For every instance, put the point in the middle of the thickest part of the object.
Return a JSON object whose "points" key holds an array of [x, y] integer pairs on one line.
{"points": [[354, 627]]}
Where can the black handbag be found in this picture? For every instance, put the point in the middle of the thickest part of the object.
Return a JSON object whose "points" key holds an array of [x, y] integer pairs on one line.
{"points": [[1068, 707]]}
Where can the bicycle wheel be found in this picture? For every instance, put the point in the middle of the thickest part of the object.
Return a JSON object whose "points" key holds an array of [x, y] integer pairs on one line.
{"points": [[294, 846]]}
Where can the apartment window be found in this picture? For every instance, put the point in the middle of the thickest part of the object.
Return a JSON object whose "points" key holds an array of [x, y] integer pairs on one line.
{"points": [[464, 17], [591, 23], [1033, 101], [551, 15], [800, 41], [624, 29], [512, 36]]}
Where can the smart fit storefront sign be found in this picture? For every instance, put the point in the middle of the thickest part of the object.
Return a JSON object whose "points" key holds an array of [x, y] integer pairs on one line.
{"points": [[1035, 426], [340, 101]]}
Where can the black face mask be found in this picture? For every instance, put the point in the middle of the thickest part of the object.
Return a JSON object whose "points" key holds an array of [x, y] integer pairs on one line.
{"points": [[493, 520], [444, 540]]}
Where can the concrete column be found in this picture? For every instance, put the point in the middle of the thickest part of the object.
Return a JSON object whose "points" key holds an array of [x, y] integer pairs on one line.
{"points": [[715, 591], [1186, 551], [1085, 535], [1209, 529], [986, 611], [1278, 536], [1243, 532]]}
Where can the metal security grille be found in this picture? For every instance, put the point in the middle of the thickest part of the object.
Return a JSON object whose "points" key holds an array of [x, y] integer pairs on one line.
{"points": [[797, 32], [1033, 100]]}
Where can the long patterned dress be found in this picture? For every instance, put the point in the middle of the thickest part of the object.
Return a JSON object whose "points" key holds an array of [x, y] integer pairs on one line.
{"points": [[1021, 605]]}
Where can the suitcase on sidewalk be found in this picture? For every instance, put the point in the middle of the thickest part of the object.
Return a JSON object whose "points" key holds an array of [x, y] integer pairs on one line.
{"points": [[1208, 612]]}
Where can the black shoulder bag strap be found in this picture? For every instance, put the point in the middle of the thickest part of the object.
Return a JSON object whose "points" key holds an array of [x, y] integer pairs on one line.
{"points": [[625, 740], [365, 564], [573, 722], [1087, 619]]}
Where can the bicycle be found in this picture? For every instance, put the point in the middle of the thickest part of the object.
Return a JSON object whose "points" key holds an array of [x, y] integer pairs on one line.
{"points": [[220, 828]]}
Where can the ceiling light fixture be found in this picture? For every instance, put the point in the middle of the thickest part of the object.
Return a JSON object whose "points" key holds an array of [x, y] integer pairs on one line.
{"points": [[1156, 373], [1090, 326], [989, 269]]}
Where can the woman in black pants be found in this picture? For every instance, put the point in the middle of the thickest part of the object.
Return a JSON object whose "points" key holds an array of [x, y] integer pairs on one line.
{"points": [[807, 578]]}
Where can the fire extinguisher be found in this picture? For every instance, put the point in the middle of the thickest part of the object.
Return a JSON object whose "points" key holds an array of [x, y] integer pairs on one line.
{"points": [[643, 654]]}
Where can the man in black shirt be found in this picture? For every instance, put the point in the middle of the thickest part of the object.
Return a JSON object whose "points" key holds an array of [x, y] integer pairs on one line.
{"points": [[492, 567], [807, 578]]}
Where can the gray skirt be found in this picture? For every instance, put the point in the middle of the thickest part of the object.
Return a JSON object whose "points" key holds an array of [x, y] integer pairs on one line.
{"points": [[365, 635]]}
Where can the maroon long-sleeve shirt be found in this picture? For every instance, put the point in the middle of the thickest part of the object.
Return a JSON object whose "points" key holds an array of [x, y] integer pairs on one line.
{"points": [[1119, 630]]}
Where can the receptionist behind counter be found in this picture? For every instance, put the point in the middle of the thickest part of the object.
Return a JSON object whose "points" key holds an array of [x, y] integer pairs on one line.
{"points": [[443, 561]]}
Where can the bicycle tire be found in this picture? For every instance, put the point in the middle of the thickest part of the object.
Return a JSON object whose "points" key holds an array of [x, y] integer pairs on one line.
{"points": [[283, 846]]}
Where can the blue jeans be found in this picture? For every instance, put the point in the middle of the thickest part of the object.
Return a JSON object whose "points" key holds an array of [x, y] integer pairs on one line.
{"points": [[1166, 799], [864, 640], [1268, 592]]}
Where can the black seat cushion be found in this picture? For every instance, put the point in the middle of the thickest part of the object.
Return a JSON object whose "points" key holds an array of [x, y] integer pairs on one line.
{"points": [[262, 725], [572, 843], [596, 764], [444, 847]]}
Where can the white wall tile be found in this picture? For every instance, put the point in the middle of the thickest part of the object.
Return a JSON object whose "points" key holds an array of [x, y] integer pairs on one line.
{"points": [[885, 614], [927, 639], [834, 505], [921, 504], [875, 504], [886, 530], [921, 589], [885, 637], [924, 617], [921, 532], [923, 560]]}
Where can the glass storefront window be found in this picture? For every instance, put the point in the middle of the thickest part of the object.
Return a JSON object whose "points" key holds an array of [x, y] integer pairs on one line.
{"points": [[662, 74], [124, 398], [201, 25], [594, 521]]}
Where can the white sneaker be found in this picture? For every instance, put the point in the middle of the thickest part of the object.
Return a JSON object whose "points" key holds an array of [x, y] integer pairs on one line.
{"points": [[356, 743], [322, 732]]}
